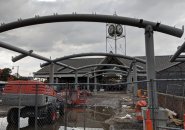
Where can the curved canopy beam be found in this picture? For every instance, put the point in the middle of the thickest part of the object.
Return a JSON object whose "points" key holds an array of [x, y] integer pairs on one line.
{"points": [[94, 54], [106, 74], [96, 65], [177, 56], [65, 66], [21, 56], [92, 18], [30, 53], [106, 70], [24, 52]]}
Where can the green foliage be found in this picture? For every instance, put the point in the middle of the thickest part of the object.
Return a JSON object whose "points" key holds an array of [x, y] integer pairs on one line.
{"points": [[5, 74]]}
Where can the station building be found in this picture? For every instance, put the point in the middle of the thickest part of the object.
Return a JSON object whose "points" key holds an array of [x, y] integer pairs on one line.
{"points": [[164, 70]]}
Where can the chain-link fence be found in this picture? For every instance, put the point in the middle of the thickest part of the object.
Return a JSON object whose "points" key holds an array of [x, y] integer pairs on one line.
{"points": [[39, 106], [170, 99]]}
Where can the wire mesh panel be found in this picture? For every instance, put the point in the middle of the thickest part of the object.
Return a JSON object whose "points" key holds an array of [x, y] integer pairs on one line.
{"points": [[40, 106]]}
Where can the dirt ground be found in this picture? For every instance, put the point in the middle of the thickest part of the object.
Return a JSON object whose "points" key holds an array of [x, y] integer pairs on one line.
{"points": [[3, 109], [105, 109], [123, 116]]}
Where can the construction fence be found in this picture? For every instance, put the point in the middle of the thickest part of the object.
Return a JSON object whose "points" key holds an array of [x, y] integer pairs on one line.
{"points": [[59, 106]]}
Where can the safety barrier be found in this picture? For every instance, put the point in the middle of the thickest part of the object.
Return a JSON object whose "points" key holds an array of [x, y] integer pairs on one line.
{"points": [[58, 106]]}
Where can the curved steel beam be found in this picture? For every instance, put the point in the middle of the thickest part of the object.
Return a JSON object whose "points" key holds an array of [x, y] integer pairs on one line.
{"points": [[106, 74], [105, 70], [177, 54], [95, 54], [24, 52], [139, 67], [92, 18], [64, 65], [96, 65], [30, 53], [21, 56]]}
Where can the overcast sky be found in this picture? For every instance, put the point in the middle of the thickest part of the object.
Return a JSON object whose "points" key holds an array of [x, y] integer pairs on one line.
{"points": [[59, 39]]}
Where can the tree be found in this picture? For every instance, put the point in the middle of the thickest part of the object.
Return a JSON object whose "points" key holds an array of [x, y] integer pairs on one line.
{"points": [[5, 74]]}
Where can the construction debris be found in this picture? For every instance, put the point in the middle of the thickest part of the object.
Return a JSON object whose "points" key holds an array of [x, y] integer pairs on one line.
{"points": [[172, 118]]}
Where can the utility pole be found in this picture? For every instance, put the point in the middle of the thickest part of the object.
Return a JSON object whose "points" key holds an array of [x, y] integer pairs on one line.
{"points": [[17, 70]]}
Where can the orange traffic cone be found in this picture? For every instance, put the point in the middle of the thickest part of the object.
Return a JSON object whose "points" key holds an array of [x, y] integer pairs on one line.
{"points": [[148, 122]]}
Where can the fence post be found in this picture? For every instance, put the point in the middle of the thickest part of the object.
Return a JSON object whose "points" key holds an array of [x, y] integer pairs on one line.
{"points": [[183, 99], [84, 96], [65, 108], [36, 106], [19, 110], [152, 106]]}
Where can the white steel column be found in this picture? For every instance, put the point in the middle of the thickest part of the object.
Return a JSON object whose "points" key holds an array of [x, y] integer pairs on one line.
{"points": [[95, 81], [88, 82], [51, 73], [76, 80], [151, 75], [134, 80], [128, 81]]}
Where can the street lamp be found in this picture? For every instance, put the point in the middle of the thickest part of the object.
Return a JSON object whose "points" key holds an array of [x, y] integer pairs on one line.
{"points": [[17, 70]]}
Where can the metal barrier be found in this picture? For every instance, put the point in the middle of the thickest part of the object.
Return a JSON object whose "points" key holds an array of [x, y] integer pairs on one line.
{"points": [[50, 106], [58, 106]]}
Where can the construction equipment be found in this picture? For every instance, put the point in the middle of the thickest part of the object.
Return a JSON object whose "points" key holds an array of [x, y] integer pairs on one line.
{"points": [[31, 99], [74, 97]]}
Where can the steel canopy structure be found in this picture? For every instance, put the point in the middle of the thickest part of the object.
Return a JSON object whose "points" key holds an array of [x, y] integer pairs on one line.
{"points": [[149, 27], [140, 23], [106, 70], [24, 52], [97, 65], [177, 57], [94, 54], [102, 74]]}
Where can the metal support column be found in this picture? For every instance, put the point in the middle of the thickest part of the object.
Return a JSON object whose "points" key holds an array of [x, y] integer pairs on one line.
{"points": [[95, 81], [134, 80], [76, 80], [128, 85], [51, 73], [56, 80], [151, 75], [115, 44], [88, 82]]}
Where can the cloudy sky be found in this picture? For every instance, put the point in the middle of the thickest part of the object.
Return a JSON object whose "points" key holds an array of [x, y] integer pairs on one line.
{"points": [[59, 39]]}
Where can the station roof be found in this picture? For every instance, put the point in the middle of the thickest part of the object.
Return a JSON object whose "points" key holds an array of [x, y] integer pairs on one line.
{"points": [[162, 62]]}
